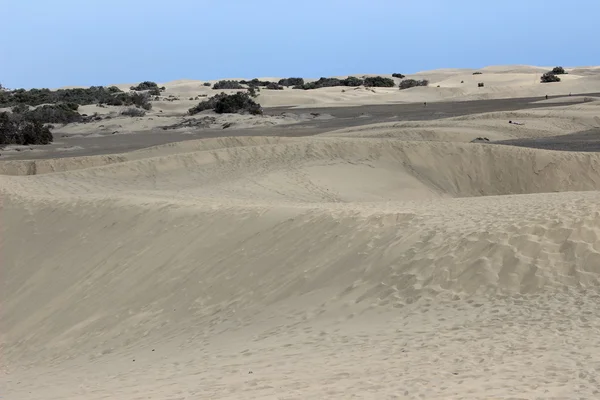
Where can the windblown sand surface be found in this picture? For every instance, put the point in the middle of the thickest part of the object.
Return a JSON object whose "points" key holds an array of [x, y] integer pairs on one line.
{"points": [[395, 260]]}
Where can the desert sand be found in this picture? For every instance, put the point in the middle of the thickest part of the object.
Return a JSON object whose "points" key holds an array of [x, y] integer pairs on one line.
{"points": [[387, 260]]}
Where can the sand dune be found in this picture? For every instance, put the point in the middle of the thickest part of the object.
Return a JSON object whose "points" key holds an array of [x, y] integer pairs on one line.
{"points": [[392, 260]]}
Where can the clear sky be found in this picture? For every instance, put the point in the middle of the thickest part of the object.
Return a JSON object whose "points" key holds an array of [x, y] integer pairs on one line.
{"points": [[53, 43]]}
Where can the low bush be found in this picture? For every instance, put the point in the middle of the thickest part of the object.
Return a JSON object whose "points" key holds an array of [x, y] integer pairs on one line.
{"points": [[409, 83], [227, 85], [331, 82], [81, 96], [237, 103], [291, 82], [256, 82], [207, 84], [133, 112], [558, 71], [273, 86], [480, 84], [477, 73], [379, 81], [146, 85], [62, 113], [398, 76], [549, 77], [15, 129], [240, 102]]}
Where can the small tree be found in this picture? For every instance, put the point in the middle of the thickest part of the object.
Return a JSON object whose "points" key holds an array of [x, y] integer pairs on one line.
{"points": [[396, 75], [379, 81], [549, 77], [227, 84], [558, 71], [291, 82], [409, 83]]}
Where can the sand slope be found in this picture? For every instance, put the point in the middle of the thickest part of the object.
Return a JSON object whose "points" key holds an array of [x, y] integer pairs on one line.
{"points": [[234, 256], [393, 260]]}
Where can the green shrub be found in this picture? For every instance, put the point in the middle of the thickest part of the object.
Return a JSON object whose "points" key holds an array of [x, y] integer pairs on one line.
{"points": [[36, 97], [237, 103], [477, 73], [379, 81], [558, 71], [240, 102], [549, 77], [62, 113], [206, 83], [273, 86], [398, 76], [291, 82], [409, 83], [256, 82], [146, 85], [227, 85], [133, 112], [15, 129]]}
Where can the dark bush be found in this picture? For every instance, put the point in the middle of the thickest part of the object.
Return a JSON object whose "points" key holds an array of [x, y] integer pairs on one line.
{"points": [[227, 85], [20, 108], [253, 91], [15, 129], [206, 83], [352, 81], [408, 83], [273, 86], [36, 97], [240, 102], [133, 112], [208, 104], [154, 92], [146, 85], [480, 84], [291, 82], [256, 82], [379, 81], [237, 103], [549, 77], [141, 100], [398, 76], [477, 73], [558, 71], [331, 82], [62, 113]]}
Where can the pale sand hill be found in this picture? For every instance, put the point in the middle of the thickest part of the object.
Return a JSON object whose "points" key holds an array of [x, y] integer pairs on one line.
{"points": [[305, 268], [392, 260]]}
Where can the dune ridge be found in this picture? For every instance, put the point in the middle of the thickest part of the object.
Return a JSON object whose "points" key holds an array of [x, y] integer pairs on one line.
{"points": [[391, 260]]}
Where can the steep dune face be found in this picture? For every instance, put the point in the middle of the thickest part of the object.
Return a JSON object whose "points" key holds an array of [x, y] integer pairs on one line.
{"points": [[333, 170], [98, 256]]}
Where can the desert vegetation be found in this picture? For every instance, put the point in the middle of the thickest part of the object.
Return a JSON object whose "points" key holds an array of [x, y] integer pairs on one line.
{"points": [[273, 86], [222, 103], [331, 82], [549, 77], [379, 81], [146, 85], [81, 96], [409, 83], [133, 112], [17, 129], [291, 82], [227, 84], [396, 75], [558, 71]]}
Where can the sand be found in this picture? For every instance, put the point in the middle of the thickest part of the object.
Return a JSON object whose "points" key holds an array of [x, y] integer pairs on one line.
{"points": [[389, 260]]}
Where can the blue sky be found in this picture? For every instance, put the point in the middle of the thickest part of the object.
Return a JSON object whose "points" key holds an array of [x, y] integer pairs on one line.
{"points": [[53, 43]]}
